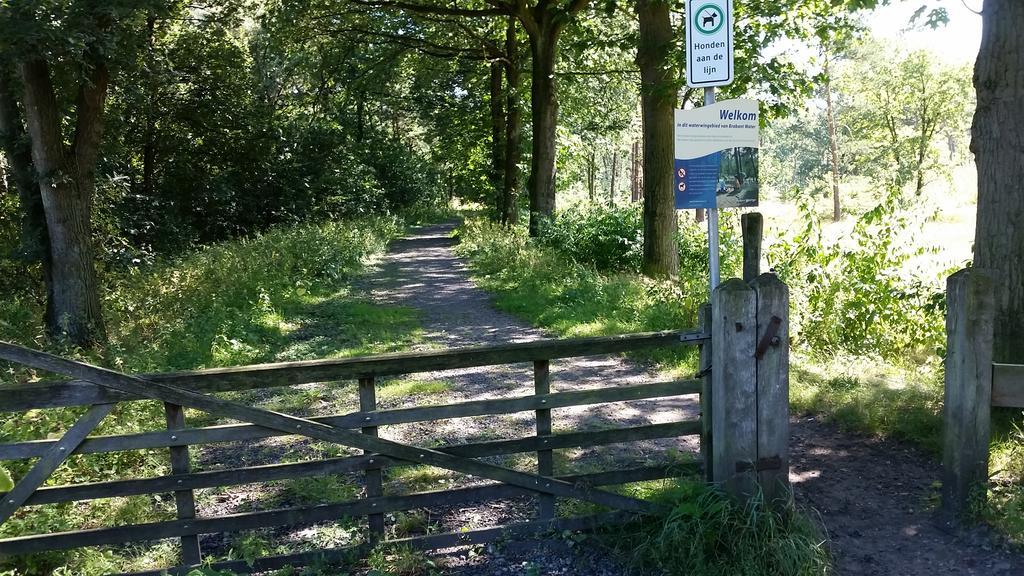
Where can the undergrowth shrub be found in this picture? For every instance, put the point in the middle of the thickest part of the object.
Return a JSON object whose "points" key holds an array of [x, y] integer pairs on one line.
{"points": [[859, 294], [609, 238], [706, 533]]}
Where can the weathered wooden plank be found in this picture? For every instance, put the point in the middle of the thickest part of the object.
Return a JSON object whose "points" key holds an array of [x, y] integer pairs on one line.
{"points": [[773, 388], [430, 542], [315, 430], [706, 397], [518, 530], [184, 499], [374, 477], [20, 397], [52, 459], [734, 387], [250, 475], [968, 394], [545, 458], [301, 516], [238, 432], [198, 480], [752, 225], [1008, 385]]}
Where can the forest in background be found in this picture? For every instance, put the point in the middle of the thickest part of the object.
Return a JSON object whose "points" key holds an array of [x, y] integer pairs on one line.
{"points": [[209, 158], [179, 124]]}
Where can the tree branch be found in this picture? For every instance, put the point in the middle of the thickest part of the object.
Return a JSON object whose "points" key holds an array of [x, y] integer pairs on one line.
{"points": [[433, 9]]}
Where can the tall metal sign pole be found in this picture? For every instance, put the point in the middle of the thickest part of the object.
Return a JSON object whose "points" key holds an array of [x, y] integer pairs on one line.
{"points": [[709, 63], [714, 253]]}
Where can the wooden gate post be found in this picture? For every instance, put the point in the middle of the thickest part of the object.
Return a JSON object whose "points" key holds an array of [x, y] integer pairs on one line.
{"points": [[772, 355], [545, 458], [374, 476], [751, 224], [968, 395], [706, 395], [184, 500], [734, 387]]}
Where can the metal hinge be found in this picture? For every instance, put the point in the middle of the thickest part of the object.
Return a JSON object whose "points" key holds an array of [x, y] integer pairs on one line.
{"points": [[770, 338]]}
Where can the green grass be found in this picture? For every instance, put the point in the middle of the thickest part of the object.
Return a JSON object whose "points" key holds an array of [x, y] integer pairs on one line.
{"points": [[871, 397], [397, 389], [415, 478], [400, 561], [1005, 508], [541, 285]]}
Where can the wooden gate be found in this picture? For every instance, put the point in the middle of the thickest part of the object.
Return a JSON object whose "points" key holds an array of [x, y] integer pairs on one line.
{"points": [[103, 389], [743, 434]]}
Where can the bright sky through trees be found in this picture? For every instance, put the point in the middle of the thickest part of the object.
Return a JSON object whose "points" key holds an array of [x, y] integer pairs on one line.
{"points": [[956, 43]]}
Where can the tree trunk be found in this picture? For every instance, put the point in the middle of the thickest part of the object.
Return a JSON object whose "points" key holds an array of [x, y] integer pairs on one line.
{"points": [[544, 109], [923, 145], [657, 99], [997, 140], [592, 176], [67, 183], [35, 240], [513, 125], [497, 103], [635, 173], [149, 136], [837, 211], [360, 116], [615, 169]]}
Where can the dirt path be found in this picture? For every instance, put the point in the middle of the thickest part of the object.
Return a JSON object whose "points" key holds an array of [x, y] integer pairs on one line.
{"points": [[875, 498]]}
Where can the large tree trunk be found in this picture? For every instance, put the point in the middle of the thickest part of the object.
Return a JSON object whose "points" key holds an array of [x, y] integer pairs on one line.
{"points": [[513, 125], [497, 103], [657, 99], [67, 183], [544, 108], [837, 210], [35, 240], [997, 140]]}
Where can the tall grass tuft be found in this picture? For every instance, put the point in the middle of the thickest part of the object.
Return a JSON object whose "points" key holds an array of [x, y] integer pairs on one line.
{"points": [[706, 533]]}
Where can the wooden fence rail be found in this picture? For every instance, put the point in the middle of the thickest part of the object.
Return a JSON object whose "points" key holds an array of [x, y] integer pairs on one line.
{"points": [[83, 393]]}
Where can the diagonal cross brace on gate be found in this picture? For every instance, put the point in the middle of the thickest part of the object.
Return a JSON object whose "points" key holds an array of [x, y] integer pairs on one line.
{"points": [[52, 459], [316, 430]]}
